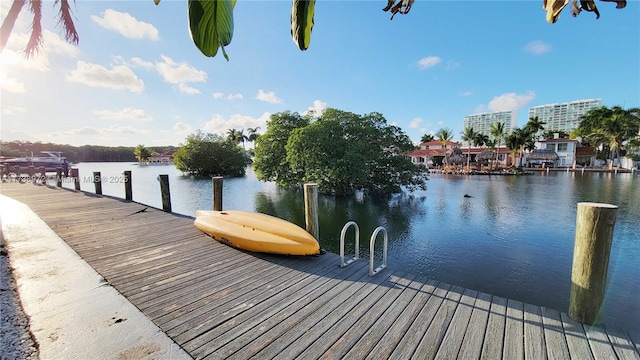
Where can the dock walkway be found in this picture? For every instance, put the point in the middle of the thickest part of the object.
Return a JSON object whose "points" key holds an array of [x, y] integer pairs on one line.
{"points": [[218, 302]]}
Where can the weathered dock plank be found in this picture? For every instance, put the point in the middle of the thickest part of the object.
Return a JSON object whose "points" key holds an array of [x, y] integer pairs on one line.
{"points": [[554, 335], [407, 345], [494, 337], [514, 331], [219, 302], [401, 324], [471, 346], [622, 345], [534, 345], [576, 337], [433, 337], [455, 332]]}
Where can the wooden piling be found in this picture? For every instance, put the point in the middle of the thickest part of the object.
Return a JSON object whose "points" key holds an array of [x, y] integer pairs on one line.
{"points": [[59, 177], [128, 187], [75, 175], [217, 193], [97, 181], [32, 171], [594, 233], [164, 190], [311, 209]]}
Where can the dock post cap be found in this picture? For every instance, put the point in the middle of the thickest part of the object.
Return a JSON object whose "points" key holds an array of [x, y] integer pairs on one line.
{"points": [[600, 205]]}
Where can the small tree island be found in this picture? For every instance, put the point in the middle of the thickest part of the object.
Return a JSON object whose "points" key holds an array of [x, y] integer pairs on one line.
{"points": [[340, 151]]}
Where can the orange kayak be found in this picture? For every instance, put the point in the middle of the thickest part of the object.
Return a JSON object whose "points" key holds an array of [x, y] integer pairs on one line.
{"points": [[256, 232]]}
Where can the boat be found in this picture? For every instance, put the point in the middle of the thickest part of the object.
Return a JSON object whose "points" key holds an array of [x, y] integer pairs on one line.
{"points": [[256, 232], [50, 160]]}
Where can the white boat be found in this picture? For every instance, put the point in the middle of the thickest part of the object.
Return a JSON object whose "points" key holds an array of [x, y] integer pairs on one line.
{"points": [[50, 160]]}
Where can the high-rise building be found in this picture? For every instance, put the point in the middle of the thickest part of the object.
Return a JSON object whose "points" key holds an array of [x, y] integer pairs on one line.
{"points": [[563, 116], [482, 122]]}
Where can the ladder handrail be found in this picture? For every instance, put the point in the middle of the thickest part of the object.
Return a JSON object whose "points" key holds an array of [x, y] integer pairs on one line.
{"points": [[372, 244], [343, 233]]}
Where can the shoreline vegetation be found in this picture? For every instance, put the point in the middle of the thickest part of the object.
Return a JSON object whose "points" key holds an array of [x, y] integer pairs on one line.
{"points": [[528, 171]]}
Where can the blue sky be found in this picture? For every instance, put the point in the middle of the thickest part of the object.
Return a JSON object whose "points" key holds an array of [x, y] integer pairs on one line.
{"points": [[136, 77]]}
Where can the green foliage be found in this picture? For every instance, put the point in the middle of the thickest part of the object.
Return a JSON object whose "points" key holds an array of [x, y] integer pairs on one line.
{"points": [[611, 128], [270, 162], [142, 153], [444, 135], [426, 138], [76, 154], [340, 151], [210, 155]]}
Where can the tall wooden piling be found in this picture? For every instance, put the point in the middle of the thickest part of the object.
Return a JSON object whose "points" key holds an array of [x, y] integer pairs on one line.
{"points": [[594, 233], [75, 175], [164, 191], [311, 209], [128, 188], [97, 181], [217, 193], [59, 177]]}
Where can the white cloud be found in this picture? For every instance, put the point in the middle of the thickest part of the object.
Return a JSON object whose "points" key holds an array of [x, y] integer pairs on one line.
{"points": [[52, 44], [124, 114], [126, 25], [13, 110], [429, 61], [269, 97], [537, 47], [415, 123], [175, 73], [317, 108], [12, 85], [466, 93], [510, 101], [219, 95], [181, 128], [219, 124], [94, 75], [142, 63], [188, 89], [96, 135]]}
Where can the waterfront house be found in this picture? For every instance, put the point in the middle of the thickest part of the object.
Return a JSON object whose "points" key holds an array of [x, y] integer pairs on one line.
{"points": [[570, 152], [431, 150], [165, 158]]}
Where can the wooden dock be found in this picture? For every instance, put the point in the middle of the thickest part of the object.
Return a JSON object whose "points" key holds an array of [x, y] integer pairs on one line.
{"points": [[218, 302]]}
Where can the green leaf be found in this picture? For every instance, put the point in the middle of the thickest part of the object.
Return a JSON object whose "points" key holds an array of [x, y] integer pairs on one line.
{"points": [[302, 12], [211, 24]]}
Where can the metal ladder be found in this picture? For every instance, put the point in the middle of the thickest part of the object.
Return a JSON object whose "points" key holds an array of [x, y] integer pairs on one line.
{"points": [[372, 243]]}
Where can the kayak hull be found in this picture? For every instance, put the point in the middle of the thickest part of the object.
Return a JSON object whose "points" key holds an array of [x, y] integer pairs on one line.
{"points": [[256, 232]]}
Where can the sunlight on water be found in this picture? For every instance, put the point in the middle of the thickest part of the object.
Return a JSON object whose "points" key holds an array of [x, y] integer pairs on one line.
{"points": [[512, 237]]}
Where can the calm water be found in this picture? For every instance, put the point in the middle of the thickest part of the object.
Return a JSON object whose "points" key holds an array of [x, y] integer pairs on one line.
{"points": [[514, 237]]}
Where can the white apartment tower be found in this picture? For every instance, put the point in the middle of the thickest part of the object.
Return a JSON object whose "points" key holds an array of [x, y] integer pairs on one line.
{"points": [[563, 116], [482, 122]]}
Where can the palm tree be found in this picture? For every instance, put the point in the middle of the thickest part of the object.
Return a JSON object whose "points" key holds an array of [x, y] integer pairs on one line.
{"points": [[35, 40], [469, 136], [516, 141], [533, 126], [609, 127], [426, 138], [497, 131], [491, 144], [444, 135], [252, 134], [142, 153]]}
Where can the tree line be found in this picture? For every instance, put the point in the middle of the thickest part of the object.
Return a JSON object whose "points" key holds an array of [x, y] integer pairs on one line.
{"points": [[75, 154]]}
